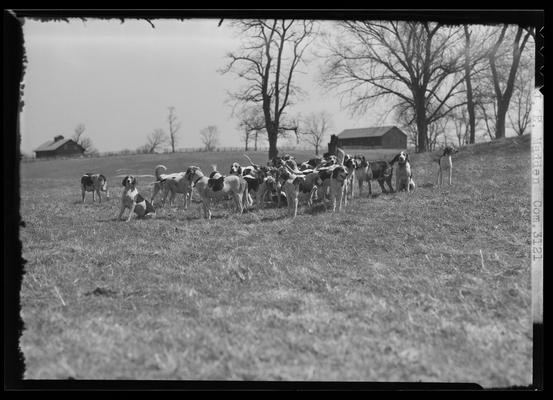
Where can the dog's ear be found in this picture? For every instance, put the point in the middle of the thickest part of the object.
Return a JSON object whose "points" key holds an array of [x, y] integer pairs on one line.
{"points": [[407, 157], [124, 180], [134, 181], [103, 178], [395, 159]]}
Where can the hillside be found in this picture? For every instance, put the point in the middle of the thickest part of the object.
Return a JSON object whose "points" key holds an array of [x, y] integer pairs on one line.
{"points": [[431, 286]]}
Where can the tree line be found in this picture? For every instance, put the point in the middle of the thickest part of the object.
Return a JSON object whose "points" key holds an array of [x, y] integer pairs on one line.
{"points": [[432, 76]]}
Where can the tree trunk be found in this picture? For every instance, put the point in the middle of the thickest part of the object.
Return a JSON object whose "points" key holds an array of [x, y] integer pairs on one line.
{"points": [[470, 102], [273, 134], [500, 119], [422, 126]]}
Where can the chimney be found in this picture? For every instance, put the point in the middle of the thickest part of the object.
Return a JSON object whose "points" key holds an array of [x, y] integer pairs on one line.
{"points": [[57, 138]]}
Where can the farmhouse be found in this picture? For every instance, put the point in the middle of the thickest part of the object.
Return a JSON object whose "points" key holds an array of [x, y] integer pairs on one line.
{"points": [[377, 137], [59, 147]]}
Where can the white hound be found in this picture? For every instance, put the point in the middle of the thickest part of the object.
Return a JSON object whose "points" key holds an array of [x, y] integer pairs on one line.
{"points": [[444, 163]]}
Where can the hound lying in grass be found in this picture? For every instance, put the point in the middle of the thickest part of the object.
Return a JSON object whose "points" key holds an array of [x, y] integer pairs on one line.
{"points": [[94, 183], [404, 176], [217, 188], [132, 200], [444, 163], [171, 183]]}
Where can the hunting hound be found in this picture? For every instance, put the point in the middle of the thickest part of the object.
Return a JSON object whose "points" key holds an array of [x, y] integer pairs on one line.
{"points": [[444, 163], [94, 183], [132, 200], [338, 187], [363, 172], [171, 183], [217, 187], [290, 184], [404, 176], [351, 163]]}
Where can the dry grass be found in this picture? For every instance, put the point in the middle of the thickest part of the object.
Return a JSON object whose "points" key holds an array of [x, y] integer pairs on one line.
{"points": [[432, 286]]}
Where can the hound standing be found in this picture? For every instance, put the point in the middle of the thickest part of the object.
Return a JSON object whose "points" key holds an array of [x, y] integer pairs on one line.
{"points": [[217, 188], [94, 183], [404, 177], [132, 200], [338, 187], [444, 163], [173, 183]]}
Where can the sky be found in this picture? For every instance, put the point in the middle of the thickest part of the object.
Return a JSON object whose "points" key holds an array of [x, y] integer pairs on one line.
{"points": [[118, 79]]}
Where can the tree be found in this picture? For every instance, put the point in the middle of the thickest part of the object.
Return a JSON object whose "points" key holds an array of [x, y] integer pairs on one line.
{"points": [[155, 140], [252, 122], [316, 128], [174, 126], [84, 142], [522, 97], [418, 65], [210, 137], [504, 63], [267, 61]]}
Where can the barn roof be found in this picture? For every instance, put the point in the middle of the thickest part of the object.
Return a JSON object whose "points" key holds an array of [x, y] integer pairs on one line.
{"points": [[374, 131], [51, 145]]}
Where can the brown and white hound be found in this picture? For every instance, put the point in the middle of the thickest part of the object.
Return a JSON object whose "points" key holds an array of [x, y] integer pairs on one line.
{"points": [[217, 187], [94, 183]]}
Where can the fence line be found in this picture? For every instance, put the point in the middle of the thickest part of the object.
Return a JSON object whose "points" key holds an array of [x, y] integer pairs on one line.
{"points": [[181, 150]]}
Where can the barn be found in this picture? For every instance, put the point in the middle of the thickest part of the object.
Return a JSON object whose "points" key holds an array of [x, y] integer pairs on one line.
{"points": [[377, 137], [59, 147]]}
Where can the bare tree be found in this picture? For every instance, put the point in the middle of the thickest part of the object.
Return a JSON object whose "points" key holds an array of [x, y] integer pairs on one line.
{"points": [[155, 140], [522, 97], [252, 122], [84, 142], [316, 128], [504, 59], [210, 137], [174, 126], [419, 65], [267, 61]]}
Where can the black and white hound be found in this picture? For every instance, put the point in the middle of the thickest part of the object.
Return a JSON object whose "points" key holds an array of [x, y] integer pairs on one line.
{"points": [[132, 200], [444, 163], [217, 187], [404, 176], [94, 183]]}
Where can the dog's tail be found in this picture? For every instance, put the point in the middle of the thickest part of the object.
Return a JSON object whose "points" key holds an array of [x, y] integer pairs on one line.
{"points": [[249, 159], [157, 173]]}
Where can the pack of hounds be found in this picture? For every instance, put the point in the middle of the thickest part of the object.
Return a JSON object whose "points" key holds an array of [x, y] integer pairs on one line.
{"points": [[328, 179]]}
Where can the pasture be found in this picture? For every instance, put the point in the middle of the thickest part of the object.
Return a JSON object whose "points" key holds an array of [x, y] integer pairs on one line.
{"points": [[432, 286]]}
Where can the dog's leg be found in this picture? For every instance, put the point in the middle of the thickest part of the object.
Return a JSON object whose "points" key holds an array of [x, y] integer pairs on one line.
{"points": [[121, 211], [156, 189], [131, 212], [99, 196], [83, 191], [450, 174]]}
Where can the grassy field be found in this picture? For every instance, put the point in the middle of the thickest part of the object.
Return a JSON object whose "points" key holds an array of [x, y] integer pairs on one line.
{"points": [[433, 286]]}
